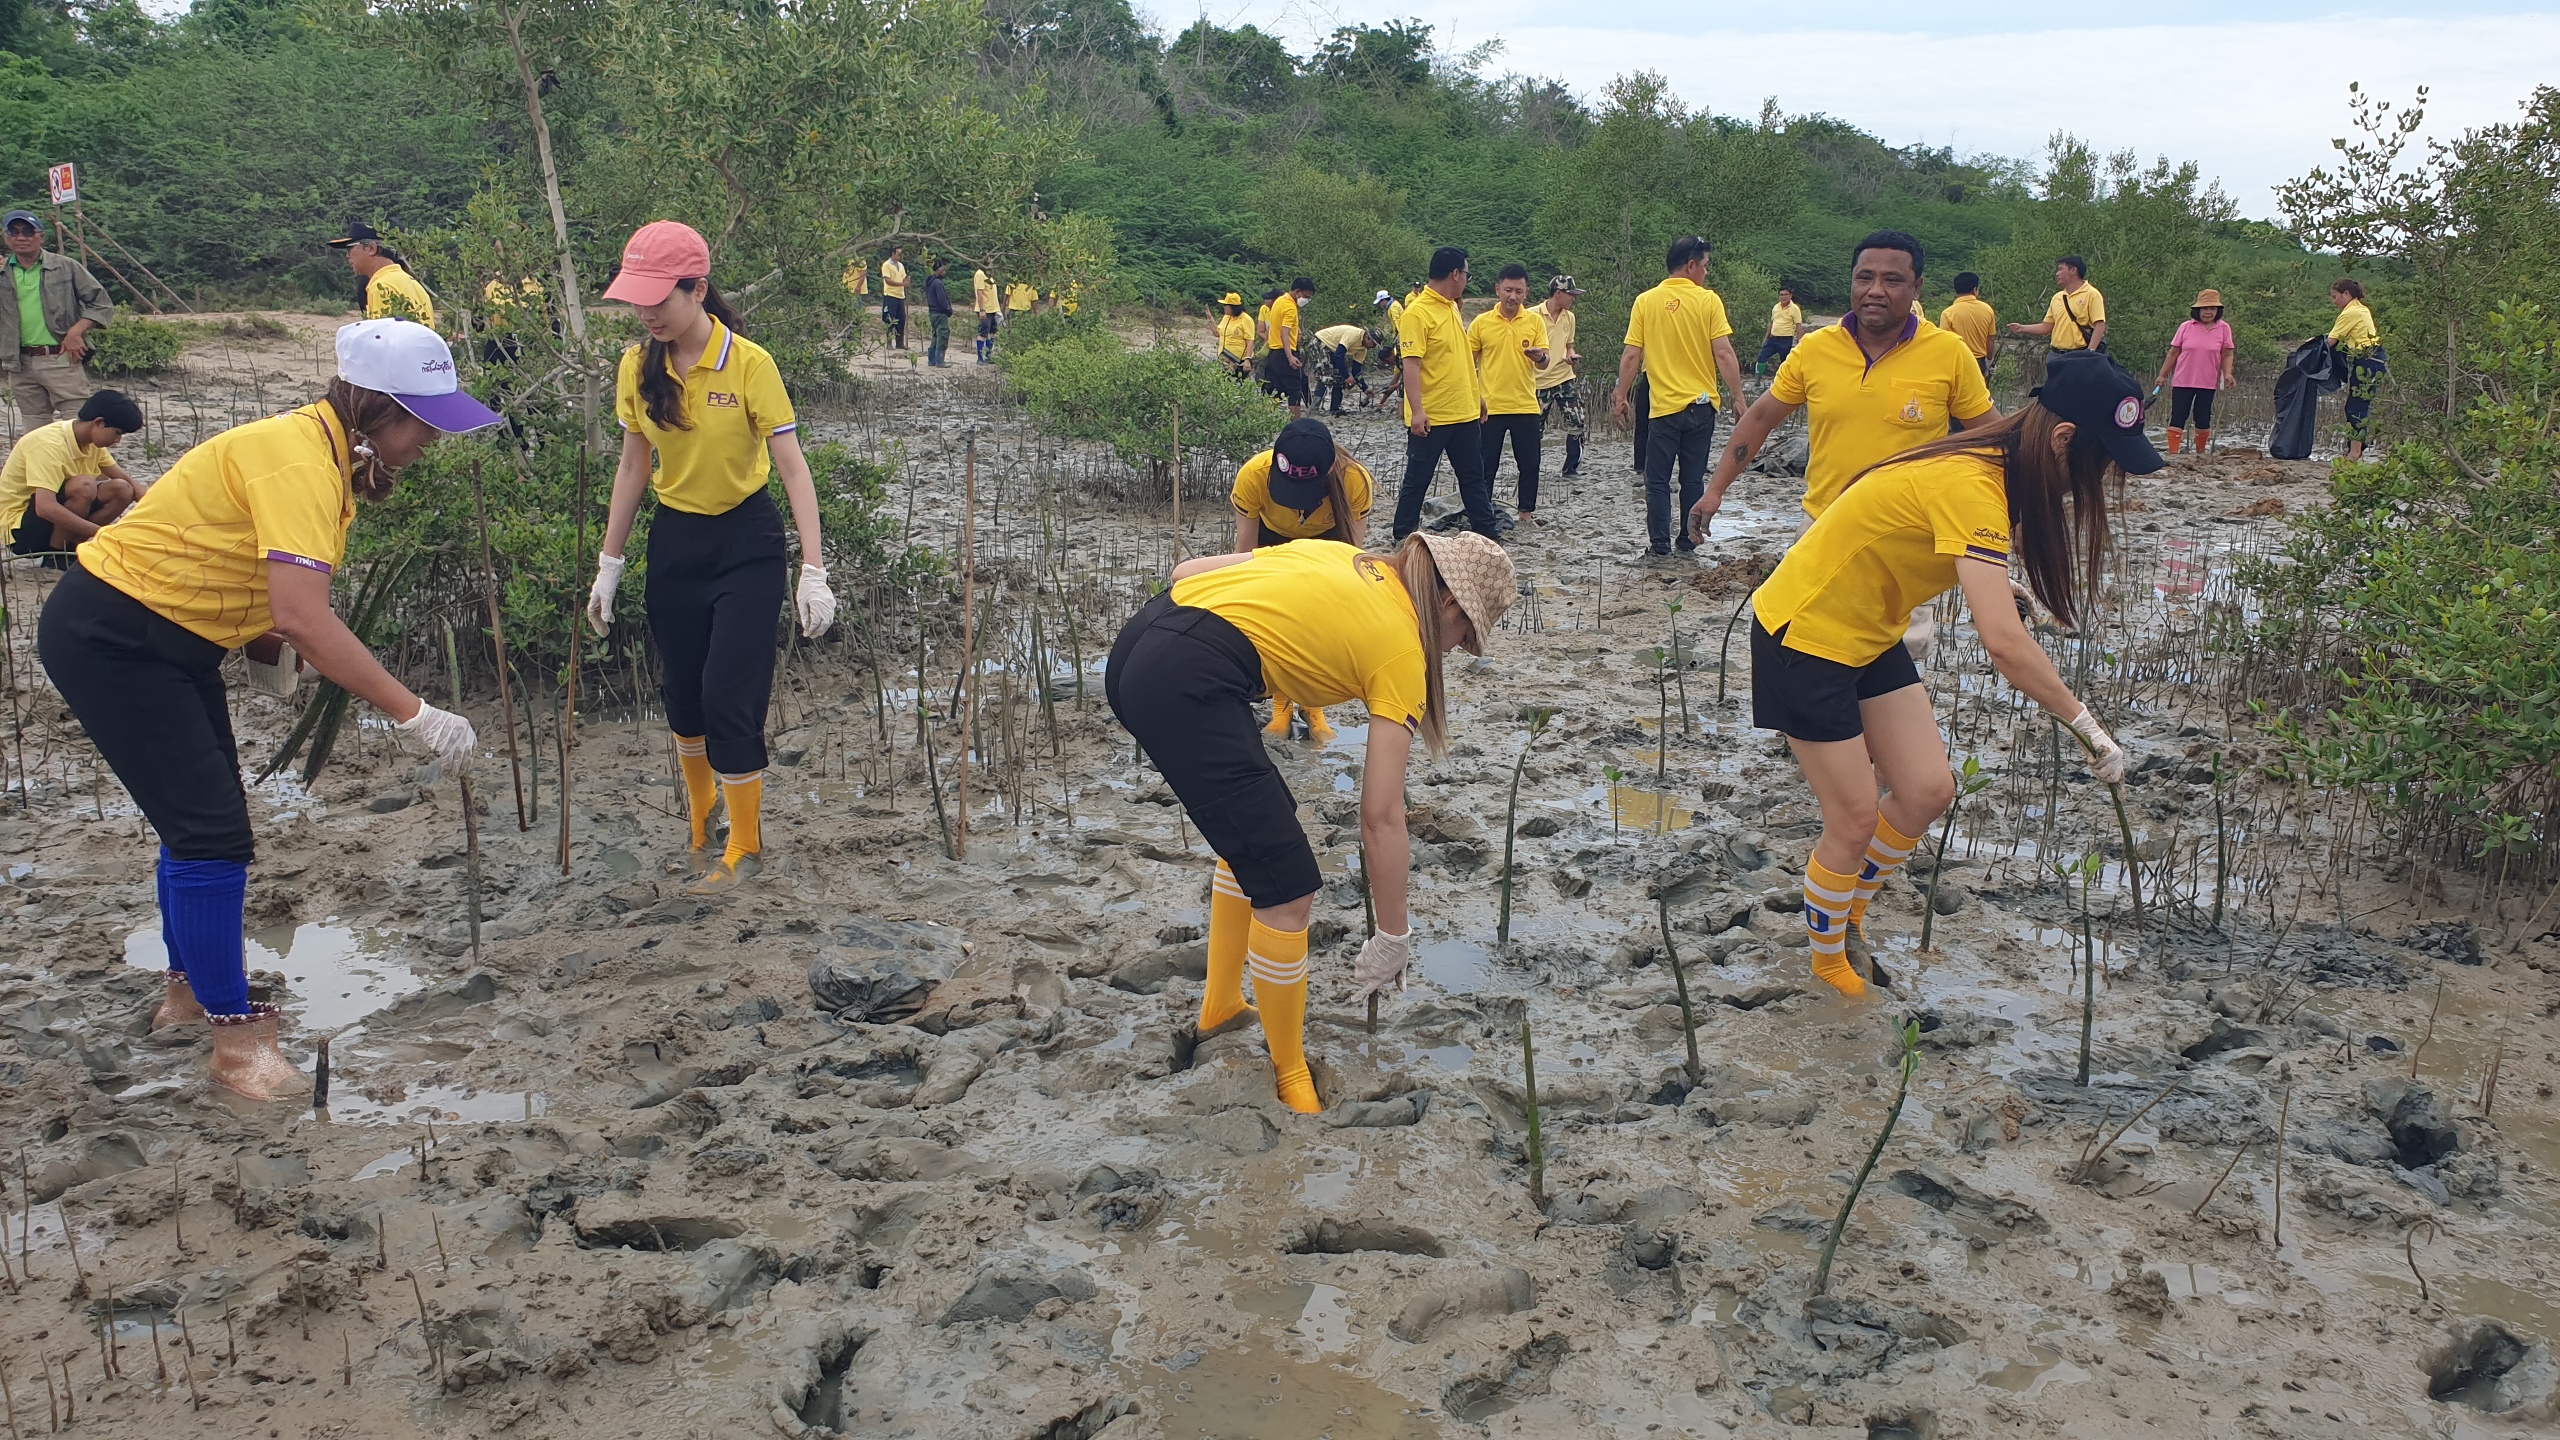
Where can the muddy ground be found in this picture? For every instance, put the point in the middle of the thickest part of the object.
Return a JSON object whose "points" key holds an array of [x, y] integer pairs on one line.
{"points": [[897, 1145]]}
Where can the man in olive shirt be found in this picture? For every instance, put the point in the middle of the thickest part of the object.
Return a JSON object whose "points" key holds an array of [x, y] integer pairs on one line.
{"points": [[1443, 409], [45, 336]]}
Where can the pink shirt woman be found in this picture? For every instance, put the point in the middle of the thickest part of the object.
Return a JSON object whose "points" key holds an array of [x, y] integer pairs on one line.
{"points": [[2197, 366]]}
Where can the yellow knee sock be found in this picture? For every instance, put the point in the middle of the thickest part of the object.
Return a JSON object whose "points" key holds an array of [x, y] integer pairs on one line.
{"points": [[1885, 854], [701, 787], [1278, 960], [1826, 921], [1230, 921], [746, 817], [1279, 716]]}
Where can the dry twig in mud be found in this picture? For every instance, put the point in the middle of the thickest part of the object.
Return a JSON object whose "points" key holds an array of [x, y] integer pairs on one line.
{"points": [[1537, 1147], [1910, 1035], [2409, 1251], [498, 641], [2282, 1113], [2420, 1047], [1680, 980], [471, 805], [2091, 1162], [1538, 719], [2216, 1188]]}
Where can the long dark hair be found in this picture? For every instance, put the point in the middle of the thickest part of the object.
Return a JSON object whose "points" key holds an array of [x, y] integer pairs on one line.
{"points": [[2065, 549], [362, 412], [1339, 498], [661, 389]]}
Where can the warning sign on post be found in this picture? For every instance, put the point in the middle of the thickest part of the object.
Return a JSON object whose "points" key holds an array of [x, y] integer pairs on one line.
{"points": [[65, 180]]}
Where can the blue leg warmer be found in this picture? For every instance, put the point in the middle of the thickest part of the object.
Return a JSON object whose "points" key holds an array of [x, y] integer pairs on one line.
{"points": [[168, 926], [202, 908]]}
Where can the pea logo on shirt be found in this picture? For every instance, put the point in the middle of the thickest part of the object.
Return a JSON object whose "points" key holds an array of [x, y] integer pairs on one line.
{"points": [[721, 399]]}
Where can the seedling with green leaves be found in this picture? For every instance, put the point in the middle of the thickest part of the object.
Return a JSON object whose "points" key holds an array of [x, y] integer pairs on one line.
{"points": [[1616, 778]]}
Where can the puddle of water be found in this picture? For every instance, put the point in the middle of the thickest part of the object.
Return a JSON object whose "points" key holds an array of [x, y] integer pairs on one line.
{"points": [[2189, 1281], [2029, 1378], [622, 862], [437, 1104], [1643, 810], [1258, 1392], [1324, 1189], [335, 974], [391, 1164], [1458, 966], [1581, 1053], [1325, 1323], [2534, 1316], [1282, 1302]]}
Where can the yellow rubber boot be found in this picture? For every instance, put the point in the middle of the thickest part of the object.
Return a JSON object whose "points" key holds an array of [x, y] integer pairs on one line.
{"points": [[1317, 729], [701, 787], [1279, 716], [1827, 893], [1278, 960], [1230, 924]]}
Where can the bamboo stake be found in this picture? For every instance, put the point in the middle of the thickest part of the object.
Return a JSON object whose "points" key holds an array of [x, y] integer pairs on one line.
{"points": [[569, 700], [968, 640], [425, 1332], [71, 1242], [2281, 1114], [12, 1398], [471, 804], [1177, 484], [498, 640], [52, 1397], [178, 1207], [70, 1396]]}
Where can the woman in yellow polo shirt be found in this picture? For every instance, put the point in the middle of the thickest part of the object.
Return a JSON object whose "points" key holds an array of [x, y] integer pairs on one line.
{"points": [[1303, 488], [1828, 666], [233, 549], [2358, 342], [1329, 623], [709, 402], [1235, 337]]}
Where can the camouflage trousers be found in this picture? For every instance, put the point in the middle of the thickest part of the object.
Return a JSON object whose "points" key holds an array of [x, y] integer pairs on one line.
{"points": [[1561, 404]]}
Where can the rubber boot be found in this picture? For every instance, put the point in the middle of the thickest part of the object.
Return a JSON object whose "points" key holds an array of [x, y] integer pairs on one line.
{"points": [[247, 1060], [2204, 441], [2177, 439], [1279, 725], [1317, 729], [178, 1006]]}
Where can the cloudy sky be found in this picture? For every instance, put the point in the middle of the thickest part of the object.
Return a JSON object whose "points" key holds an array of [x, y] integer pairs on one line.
{"points": [[2252, 90]]}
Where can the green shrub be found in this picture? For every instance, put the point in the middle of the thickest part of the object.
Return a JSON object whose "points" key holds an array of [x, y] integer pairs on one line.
{"points": [[1092, 385], [135, 347]]}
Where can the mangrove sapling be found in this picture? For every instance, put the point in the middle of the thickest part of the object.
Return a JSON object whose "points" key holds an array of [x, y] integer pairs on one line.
{"points": [[1537, 1147], [2198, 1212], [470, 808], [2124, 825], [1969, 781], [1679, 982], [1680, 665], [1662, 724], [1724, 652], [2086, 869], [2409, 1251], [498, 641], [1615, 777], [1909, 1033], [2420, 1047], [1538, 719]]}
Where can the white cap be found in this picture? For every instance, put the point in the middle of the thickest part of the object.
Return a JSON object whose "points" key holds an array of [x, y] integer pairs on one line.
{"points": [[1384, 297], [410, 363]]}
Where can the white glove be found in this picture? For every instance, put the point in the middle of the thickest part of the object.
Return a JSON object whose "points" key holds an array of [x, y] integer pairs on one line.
{"points": [[2106, 757], [1381, 964], [447, 735], [817, 603], [600, 595], [280, 679]]}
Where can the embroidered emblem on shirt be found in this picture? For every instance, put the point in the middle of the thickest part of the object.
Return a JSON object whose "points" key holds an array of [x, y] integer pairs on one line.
{"points": [[724, 399], [1911, 411]]}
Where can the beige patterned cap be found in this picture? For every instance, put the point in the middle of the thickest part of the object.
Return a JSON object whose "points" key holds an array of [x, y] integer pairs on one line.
{"points": [[1478, 573]]}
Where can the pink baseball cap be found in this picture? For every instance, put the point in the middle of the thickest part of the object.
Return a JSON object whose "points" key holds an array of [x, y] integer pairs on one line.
{"points": [[661, 253]]}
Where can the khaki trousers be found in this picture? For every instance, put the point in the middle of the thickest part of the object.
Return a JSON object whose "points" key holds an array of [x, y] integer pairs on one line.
{"points": [[48, 388]]}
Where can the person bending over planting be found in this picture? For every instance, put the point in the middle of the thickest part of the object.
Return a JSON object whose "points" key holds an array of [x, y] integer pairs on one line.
{"points": [[710, 404], [233, 549], [1324, 623], [1828, 667], [1303, 488]]}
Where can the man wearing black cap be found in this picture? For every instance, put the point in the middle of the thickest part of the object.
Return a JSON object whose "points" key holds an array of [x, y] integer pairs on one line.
{"points": [[45, 337], [389, 290]]}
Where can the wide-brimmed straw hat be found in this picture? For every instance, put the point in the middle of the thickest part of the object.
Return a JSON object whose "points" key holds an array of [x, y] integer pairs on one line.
{"points": [[2206, 300], [1478, 573]]}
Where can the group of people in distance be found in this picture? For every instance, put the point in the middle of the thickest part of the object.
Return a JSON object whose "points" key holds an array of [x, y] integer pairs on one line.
{"points": [[1916, 485], [992, 302]]}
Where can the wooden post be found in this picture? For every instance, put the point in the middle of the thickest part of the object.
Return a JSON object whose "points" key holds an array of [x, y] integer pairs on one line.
{"points": [[968, 639], [569, 701], [498, 639], [1177, 484]]}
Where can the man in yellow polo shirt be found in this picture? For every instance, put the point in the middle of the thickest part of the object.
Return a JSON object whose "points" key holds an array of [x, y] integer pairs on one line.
{"points": [[893, 295], [1971, 319], [1678, 335], [988, 301], [390, 291], [1785, 319], [1880, 382], [2075, 320], [1284, 370], [1346, 353], [1559, 395], [60, 486], [1443, 409], [1509, 342]]}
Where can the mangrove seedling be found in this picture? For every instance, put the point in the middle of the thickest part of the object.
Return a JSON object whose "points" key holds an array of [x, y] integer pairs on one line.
{"points": [[1680, 665], [1662, 719], [1969, 781], [1724, 652], [2124, 827], [2221, 844], [2086, 869], [1910, 1036], [1529, 1090], [1615, 777], [1679, 982], [1538, 719]]}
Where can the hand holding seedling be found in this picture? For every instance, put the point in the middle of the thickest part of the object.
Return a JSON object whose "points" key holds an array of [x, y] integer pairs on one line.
{"points": [[1382, 963], [2106, 757]]}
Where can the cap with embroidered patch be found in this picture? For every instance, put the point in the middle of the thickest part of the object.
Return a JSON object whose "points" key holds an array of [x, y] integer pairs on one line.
{"points": [[411, 363], [2093, 392], [1300, 460]]}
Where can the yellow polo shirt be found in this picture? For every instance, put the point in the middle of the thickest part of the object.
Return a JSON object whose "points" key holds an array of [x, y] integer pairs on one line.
{"points": [[1235, 335], [1501, 350], [2073, 316], [395, 293], [1019, 296], [1351, 338], [1971, 319], [1332, 623], [1785, 320], [1889, 546], [1285, 333], [1252, 496], [41, 461], [2355, 331], [1430, 331], [893, 280], [1560, 332], [503, 301], [857, 278], [1677, 324], [1262, 332], [735, 403], [196, 547], [982, 293], [1858, 413]]}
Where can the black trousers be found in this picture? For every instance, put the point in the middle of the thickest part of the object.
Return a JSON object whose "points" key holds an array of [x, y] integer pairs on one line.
{"points": [[1183, 681], [1640, 405], [1526, 433], [1463, 443], [149, 692], [1683, 440], [714, 593], [2191, 400], [893, 313]]}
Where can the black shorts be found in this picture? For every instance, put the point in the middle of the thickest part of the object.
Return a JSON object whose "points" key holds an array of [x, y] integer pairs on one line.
{"points": [[1183, 681], [1284, 379], [34, 535], [1806, 697], [986, 323]]}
